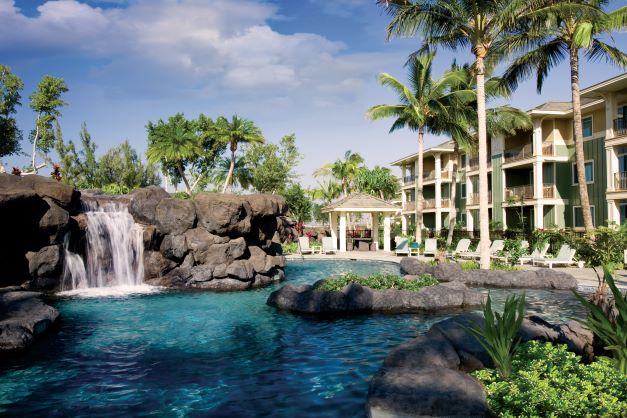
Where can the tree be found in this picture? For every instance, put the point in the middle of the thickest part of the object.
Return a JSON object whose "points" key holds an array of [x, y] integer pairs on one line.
{"points": [[345, 171], [559, 31], [10, 88], [422, 108], [176, 142], [327, 191], [121, 165], [485, 27], [77, 168], [299, 204], [237, 131], [378, 182], [46, 102], [240, 177], [272, 166]]}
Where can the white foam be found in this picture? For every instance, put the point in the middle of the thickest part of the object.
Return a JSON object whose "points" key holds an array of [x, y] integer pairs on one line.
{"points": [[112, 292]]}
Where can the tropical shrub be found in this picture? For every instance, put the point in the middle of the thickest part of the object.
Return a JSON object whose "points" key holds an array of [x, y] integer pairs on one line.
{"points": [[498, 336], [181, 195], [378, 281], [469, 265], [290, 247], [116, 188], [514, 250], [550, 381], [609, 325], [499, 265]]}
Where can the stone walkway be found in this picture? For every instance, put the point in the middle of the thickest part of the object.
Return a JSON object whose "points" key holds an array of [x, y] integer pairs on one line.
{"points": [[586, 277]]}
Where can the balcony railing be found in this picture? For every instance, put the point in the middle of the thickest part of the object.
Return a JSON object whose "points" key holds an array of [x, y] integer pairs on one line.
{"points": [[547, 149], [428, 204], [620, 181], [445, 203], [428, 175], [407, 180], [620, 127], [473, 198], [518, 192], [518, 153], [474, 163], [548, 191], [409, 206]]}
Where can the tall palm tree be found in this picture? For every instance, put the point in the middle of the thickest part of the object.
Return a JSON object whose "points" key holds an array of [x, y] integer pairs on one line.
{"points": [[344, 170], [240, 175], [423, 108], [453, 24], [556, 33], [173, 142], [378, 182], [235, 132], [327, 191]]}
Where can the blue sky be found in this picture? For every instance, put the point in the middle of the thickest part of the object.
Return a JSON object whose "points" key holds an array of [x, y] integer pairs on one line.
{"points": [[302, 66]]}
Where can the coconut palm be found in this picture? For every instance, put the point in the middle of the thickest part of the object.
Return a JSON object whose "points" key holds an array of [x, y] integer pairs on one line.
{"points": [[240, 176], [454, 24], [558, 32], [423, 108], [378, 182], [343, 170], [173, 142], [235, 132], [327, 191]]}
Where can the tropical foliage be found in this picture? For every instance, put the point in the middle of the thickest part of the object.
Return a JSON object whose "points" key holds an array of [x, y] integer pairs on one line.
{"points": [[299, 204], [10, 95], [344, 171], [378, 181], [377, 281], [271, 166]]}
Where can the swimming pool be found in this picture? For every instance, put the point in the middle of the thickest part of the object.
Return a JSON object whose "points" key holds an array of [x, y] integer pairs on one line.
{"points": [[216, 354]]}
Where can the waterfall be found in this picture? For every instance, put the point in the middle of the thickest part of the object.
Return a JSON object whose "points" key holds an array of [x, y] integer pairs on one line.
{"points": [[114, 251]]}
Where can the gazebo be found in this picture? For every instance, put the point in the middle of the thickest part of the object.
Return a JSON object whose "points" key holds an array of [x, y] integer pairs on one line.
{"points": [[361, 203]]}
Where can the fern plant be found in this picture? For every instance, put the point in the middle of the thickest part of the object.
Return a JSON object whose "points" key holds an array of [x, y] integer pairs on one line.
{"points": [[498, 336], [609, 325]]}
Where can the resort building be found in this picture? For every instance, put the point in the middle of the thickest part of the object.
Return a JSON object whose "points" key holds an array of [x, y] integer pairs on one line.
{"points": [[532, 177]]}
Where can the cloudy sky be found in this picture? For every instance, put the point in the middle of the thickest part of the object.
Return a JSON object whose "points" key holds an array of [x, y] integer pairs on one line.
{"points": [[302, 66]]}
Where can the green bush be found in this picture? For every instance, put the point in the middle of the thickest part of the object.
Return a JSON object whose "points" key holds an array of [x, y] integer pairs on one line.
{"points": [[550, 381], [498, 335], [469, 265], [181, 195], [494, 265], [290, 247], [514, 250], [116, 188], [378, 281]]}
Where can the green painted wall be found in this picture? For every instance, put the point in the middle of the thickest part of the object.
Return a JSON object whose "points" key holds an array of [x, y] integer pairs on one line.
{"points": [[497, 186], [549, 216], [428, 192], [518, 177], [429, 220]]}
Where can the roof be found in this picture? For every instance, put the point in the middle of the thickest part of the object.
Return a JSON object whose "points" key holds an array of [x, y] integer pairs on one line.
{"points": [[561, 108], [444, 147], [360, 202]]}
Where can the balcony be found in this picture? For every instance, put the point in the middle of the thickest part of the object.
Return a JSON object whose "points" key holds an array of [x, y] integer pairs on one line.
{"points": [[473, 163], [473, 199], [519, 153], [444, 175], [429, 175], [408, 180], [428, 204], [548, 191], [518, 192], [620, 181], [409, 206], [445, 203], [548, 150], [620, 127]]}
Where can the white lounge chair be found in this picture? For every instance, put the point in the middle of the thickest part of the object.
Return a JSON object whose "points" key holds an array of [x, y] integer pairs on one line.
{"points": [[537, 253], [431, 247], [462, 247], [565, 257], [524, 244], [402, 247], [496, 246], [303, 245], [328, 245]]}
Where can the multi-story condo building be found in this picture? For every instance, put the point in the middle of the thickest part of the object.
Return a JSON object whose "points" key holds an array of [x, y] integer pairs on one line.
{"points": [[532, 177]]}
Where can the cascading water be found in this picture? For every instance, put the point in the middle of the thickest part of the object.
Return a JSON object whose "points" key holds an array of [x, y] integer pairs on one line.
{"points": [[114, 251]]}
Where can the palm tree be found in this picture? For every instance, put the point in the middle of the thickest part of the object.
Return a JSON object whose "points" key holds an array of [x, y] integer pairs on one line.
{"points": [[453, 24], [344, 170], [237, 131], [327, 191], [558, 31], [240, 175], [423, 107], [378, 182], [173, 142]]}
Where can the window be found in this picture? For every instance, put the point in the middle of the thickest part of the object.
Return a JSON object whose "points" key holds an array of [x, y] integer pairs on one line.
{"points": [[462, 219], [587, 126], [589, 169], [463, 191], [578, 216], [462, 161]]}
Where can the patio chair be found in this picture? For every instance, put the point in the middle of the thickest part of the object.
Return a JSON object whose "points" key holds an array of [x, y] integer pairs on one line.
{"points": [[431, 247], [495, 246], [565, 257], [537, 253], [414, 249], [303, 245], [462, 247], [402, 247], [328, 245]]}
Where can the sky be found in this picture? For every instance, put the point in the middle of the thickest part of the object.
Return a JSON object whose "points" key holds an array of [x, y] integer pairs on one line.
{"points": [[307, 67]]}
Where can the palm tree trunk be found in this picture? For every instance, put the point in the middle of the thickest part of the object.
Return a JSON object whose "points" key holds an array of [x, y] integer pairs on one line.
{"points": [[179, 166], [421, 133], [484, 230], [453, 212], [579, 154], [231, 168]]}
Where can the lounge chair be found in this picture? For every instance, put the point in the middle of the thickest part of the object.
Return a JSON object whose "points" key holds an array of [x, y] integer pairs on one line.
{"points": [[431, 247], [414, 248], [328, 245], [495, 246], [402, 247], [462, 247], [524, 244], [565, 257], [537, 253], [303, 245]]}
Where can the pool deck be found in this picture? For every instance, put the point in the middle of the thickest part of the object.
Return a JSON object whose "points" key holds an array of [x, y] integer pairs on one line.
{"points": [[586, 277]]}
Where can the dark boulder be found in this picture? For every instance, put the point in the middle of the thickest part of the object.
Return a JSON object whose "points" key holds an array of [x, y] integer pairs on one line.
{"points": [[174, 247], [222, 214], [224, 285], [415, 267], [222, 253], [267, 205], [144, 201], [46, 262], [55, 222], [241, 270], [156, 265], [175, 216]]}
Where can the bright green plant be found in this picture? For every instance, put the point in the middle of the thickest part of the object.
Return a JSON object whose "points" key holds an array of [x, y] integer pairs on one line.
{"points": [[550, 381], [609, 327], [469, 265], [378, 281], [498, 335], [498, 265], [290, 247], [115, 188], [514, 250], [181, 195]]}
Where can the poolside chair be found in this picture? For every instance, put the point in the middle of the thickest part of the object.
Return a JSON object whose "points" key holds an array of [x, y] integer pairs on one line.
{"points": [[414, 249], [462, 247], [303, 245], [402, 247], [565, 257], [328, 245], [524, 244], [495, 246], [537, 253], [431, 247]]}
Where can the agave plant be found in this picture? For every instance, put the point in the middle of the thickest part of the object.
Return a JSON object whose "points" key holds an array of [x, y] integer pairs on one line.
{"points": [[498, 336], [610, 326]]}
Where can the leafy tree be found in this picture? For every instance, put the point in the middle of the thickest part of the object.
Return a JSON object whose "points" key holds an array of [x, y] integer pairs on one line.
{"points": [[327, 191], [298, 202], [241, 174], [77, 168], [343, 170], [10, 88], [235, 132], [271, 166], [378, 182], [558, 32], [121, 166], [46, 102]]}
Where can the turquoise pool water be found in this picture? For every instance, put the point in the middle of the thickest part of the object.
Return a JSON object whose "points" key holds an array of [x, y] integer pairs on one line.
{"points": [[221, 355]]}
